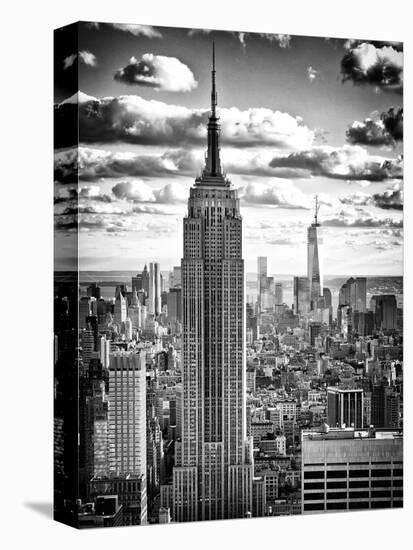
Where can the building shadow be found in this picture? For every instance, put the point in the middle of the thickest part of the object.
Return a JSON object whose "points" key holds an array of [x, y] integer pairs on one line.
{"points": [[45, 509]]}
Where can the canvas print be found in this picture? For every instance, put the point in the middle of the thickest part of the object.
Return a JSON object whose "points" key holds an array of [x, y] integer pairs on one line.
{"points": [[228, 297]]}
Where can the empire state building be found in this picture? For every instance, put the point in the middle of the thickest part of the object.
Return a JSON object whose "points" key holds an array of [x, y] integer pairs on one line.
{"points": [[213, 471]]}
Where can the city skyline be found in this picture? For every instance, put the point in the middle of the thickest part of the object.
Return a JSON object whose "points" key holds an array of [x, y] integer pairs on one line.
{"points": [[181, 397], [309, 128]]}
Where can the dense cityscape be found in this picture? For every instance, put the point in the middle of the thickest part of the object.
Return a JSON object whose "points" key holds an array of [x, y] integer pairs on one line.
{"points": [[200, 400]]}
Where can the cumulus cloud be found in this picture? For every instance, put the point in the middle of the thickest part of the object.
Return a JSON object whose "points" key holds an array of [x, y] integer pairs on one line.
{"points": [[383, 131], [350, 163], [94, 164], [283, 40], [378, 64], [390, 199], [361, 222], [133, 119], [136, 30], [312, 73], [393, 122], [159, 72], [88, 58], [69, 60], [66, 167], [90, 164], [280, 194], [140, 192]]}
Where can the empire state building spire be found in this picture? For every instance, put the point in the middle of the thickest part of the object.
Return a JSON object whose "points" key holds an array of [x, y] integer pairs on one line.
{"points": [[213, 162]]}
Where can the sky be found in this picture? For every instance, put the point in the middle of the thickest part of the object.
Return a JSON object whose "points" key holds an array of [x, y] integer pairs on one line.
{"points": [[299, 116]]}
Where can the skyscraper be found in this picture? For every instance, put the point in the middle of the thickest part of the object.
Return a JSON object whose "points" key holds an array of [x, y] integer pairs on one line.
{"points": [[261, 278], [213, 472], [278, 293], [154, 288], [301, 292], [345, 407], [314, 259], [126, 413]]}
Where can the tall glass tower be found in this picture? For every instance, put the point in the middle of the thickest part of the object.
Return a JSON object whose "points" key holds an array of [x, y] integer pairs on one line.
{"points": [[314, 260], [213, 472]]}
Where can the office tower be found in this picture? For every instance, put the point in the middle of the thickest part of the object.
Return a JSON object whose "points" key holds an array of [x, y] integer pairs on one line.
{"points": [[126, 413], [212, 477], [314, 259], [137, 282], [301, 291], [174, 298], [176, 276], [104, 351], [262, 286], [93, 290], [345, 407], [131, 493], [360, 294], [154, 289], [344, 293], [84, 311], [106, 512], [327, 297], [120, 309], [278, 293], [128, 329], [343, 469], [134, 311], [353, 294], [145, 280], [385, 406], [385, 307], [314, 330]]}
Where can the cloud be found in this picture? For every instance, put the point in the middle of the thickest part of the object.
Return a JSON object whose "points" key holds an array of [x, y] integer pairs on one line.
{"points": [[390, 199], [361, 222], [159, 72], [280, 194], [66, 167], [69, 60], [133, 119], [72, 195], [94, 164], [393, 122], [380, 65], [312, 73], [283, 241], [283, 40], [136, 30], [350, 163], [88, 58], [384, 131], [90, 164], [140, 192], [356, 199]]}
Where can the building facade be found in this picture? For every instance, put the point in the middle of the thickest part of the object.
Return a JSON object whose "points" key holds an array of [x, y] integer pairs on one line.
{"points": [[344, 469], [213, 472]]}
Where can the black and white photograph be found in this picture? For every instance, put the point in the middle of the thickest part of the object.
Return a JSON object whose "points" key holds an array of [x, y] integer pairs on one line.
{"points": [[228, 275]]}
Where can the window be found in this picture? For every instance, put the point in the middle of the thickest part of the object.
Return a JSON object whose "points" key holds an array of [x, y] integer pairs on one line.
{"points": [[359, 473], [313, 506], [313, 475], [336, 473]]}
